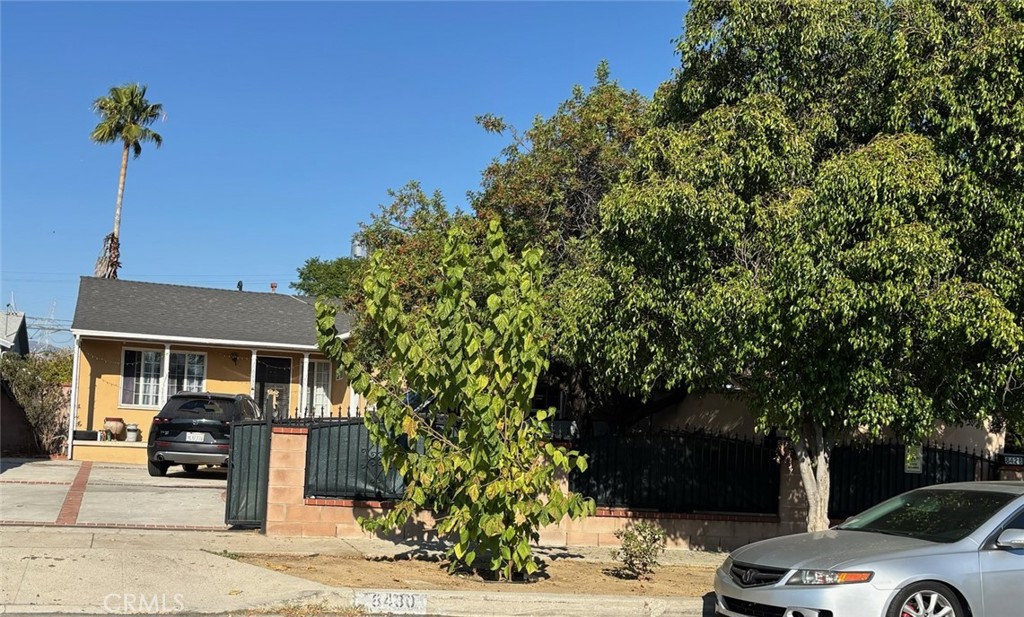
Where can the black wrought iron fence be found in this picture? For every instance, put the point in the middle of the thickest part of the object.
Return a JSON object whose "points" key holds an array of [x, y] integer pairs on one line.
{"points": [[680, 471], [342, 462], [863, 474]]}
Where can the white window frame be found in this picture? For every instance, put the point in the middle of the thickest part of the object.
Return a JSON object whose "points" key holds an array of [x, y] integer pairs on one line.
{"points": [[187, 353], [120, 388], [310, 387]]}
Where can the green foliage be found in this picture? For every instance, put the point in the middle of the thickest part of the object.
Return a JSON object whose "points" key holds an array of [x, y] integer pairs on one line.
{"points": [[642, 544], [827, 214], [37, 382], [406, 235], [452, 392], [546, 186], [338, 279], [125, 116]]}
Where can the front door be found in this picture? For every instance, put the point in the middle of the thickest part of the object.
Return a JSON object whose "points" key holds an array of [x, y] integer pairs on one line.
{"points": [[273, 385]]}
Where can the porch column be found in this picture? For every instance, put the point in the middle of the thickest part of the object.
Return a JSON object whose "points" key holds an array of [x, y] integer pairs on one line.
{"points": [[73, 406], [252, 374], [353, 403], [303, 395], [165, 370]]}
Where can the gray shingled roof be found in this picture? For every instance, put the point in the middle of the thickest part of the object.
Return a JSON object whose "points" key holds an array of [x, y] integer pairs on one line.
{"points": [[13, 332], [131, 307]]}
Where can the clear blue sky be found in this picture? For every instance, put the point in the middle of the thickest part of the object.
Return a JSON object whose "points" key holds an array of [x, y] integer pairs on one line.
{"points": [[286, 123]]}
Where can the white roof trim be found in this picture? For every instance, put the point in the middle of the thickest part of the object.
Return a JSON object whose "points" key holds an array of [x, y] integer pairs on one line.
{"points": [[189, 340]]}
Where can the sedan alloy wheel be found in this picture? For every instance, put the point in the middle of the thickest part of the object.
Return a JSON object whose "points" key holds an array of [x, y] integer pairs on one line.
{"points": [[927, 600]]}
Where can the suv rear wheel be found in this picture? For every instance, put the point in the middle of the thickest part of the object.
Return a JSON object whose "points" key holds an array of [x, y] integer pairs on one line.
{"points": [[157, 468]]}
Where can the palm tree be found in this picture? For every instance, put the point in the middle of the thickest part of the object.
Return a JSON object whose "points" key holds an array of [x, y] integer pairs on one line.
{"points": [[125, 116]]}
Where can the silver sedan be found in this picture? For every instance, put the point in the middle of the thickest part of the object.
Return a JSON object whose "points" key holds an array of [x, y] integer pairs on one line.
{"points": [[952, 550]]}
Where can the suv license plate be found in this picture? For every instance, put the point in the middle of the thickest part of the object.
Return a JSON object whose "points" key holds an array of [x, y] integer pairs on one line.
{"points": [[195, 437]]}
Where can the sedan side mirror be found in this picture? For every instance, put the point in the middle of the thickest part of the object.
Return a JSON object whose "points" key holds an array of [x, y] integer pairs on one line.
{"points": [[1011, 538]]}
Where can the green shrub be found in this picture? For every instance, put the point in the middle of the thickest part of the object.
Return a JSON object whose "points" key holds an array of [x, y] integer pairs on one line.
{"points": [[642, 543]]}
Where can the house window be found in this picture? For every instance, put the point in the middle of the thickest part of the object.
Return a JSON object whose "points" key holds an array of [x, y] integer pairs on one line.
{"points": [[140, 377], [318, 393], [141, 373], [187, 373]]}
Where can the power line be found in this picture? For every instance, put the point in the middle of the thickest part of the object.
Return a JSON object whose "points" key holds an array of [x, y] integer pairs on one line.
{"points": [[47, 333]]}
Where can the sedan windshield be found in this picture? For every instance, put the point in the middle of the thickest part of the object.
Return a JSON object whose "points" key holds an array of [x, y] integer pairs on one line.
{"points": [[935, 515]]}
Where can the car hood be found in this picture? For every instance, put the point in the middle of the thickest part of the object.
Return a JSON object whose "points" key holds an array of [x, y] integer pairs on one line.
{"points": [[827, 550]]}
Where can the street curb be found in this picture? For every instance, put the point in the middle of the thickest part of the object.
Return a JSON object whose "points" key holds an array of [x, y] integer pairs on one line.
{"points": [[129, 526], [446, 604]]}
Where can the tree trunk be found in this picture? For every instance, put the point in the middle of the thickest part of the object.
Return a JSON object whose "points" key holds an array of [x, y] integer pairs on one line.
{"points": [[812, 454], [120, 192]]}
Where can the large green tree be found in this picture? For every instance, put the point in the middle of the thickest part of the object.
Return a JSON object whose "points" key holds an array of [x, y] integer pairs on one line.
{"points": [[546, 187], [456, 379], [408, 235], [330, 278], [125, 117], [548, 182], [826, 216]]}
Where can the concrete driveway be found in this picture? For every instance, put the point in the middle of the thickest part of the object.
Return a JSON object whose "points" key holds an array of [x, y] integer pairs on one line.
{"points": [[44, 492]]}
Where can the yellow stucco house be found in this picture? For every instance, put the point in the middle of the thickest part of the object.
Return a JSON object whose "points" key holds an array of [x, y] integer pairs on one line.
{"points": [[138, 343]]}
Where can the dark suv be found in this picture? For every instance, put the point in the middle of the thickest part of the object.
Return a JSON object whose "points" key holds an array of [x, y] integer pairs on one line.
{"points": [[194, 428]]}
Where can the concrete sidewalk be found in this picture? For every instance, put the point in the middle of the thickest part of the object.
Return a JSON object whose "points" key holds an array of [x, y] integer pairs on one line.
{"points": [[45, 492], [93, 571]]}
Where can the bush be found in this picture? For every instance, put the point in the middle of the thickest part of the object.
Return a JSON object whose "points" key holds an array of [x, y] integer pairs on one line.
{"points": [[642, 543], [37, 382]]}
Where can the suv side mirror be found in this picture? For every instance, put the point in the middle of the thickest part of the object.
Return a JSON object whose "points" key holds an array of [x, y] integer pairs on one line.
{"points": [[1011, 538]]}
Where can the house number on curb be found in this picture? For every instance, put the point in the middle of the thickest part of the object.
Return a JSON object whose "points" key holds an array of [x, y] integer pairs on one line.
{"points": [[392, 602]]}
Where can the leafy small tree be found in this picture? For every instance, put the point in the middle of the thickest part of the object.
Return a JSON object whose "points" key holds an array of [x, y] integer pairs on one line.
{"points": [[453, 403], [37, 382], [125, 116]]}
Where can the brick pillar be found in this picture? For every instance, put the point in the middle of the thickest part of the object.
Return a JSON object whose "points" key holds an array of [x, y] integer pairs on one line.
{"points": [[287, 480], [1009, 472]]}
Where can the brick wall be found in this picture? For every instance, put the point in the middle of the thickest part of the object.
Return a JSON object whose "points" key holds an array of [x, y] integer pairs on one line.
{"points": [[289, 513], [1009, 472]]}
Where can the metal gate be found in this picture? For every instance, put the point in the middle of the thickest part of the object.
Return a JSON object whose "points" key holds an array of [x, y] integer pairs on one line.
{"points": [[248, 474]]}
